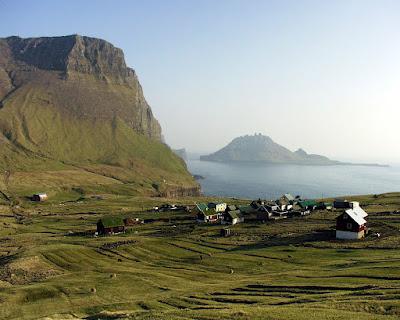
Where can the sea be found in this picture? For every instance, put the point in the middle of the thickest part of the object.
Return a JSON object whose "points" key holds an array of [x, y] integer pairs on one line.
{"points": [[269, 181]]}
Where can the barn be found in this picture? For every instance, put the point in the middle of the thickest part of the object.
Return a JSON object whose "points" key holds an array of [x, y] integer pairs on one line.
{"points": [[110, 225], [351, 224]]}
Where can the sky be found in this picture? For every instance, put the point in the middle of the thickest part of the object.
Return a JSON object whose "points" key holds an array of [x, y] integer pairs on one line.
{"points": [[320, 75]]}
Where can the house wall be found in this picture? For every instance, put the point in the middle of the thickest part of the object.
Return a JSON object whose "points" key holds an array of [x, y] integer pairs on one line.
{"points": [[345, 223], [349, 235]]}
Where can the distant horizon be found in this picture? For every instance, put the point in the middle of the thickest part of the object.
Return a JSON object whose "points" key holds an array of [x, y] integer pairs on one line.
{"points": [[322, 76]]}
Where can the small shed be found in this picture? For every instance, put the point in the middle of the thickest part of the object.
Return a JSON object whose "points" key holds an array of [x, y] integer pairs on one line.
{"points": [[351, 224], [39, 197], [110, 225], [225, 232]]}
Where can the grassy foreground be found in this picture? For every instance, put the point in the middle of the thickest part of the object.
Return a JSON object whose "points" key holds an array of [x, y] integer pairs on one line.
{"points": [[171, 268]]}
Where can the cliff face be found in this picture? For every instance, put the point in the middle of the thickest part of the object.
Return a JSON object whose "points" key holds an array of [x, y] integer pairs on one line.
{"points": [[79, 69], [72, 101]]}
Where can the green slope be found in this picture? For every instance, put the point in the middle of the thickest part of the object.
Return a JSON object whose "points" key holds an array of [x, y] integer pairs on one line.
{"points": [[38, 134]]}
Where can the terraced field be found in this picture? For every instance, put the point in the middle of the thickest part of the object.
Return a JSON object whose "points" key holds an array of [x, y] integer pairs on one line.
{"points": [[172, 268]]}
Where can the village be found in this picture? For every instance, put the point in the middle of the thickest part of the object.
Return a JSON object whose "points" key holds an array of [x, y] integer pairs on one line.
{"points": [[351, 221], [234, 253]]}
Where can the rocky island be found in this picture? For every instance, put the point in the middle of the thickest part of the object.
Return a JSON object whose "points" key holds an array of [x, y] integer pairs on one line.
{"points": [[259, 148]]}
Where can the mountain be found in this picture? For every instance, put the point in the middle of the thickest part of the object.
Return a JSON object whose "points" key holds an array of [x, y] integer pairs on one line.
{"points": [[70, 104], [260, 148]]}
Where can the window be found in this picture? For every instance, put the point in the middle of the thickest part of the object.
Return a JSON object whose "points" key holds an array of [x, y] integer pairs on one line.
{"points": [[349, 225]]}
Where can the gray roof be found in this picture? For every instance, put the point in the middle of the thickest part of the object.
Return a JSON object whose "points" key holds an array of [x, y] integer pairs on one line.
{"points": [[289, 196]]}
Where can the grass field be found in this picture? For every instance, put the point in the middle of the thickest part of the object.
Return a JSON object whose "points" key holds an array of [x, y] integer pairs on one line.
{"points": [[173, 268]]}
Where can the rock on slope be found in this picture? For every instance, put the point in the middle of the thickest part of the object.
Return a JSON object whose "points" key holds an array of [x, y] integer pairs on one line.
{"points": [[260, 148], [71, 102]]}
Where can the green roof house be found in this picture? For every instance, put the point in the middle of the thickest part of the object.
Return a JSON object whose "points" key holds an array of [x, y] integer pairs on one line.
{"points": [[110, 225]]}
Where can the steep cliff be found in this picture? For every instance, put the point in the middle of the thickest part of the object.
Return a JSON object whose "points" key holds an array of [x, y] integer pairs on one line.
{"points": [[72, 102]]}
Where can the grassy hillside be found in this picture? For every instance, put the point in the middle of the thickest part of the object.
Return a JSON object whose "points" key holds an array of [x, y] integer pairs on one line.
{"points": [[172, 268], [38, 137], [71, 108]]}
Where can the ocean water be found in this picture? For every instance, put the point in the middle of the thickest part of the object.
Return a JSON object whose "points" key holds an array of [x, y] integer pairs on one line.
{"points": [[270, 181]]}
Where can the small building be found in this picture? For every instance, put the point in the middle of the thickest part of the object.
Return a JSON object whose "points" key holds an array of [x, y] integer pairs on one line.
{"points": [[324, 205], [39, 197], [287, 198], [308, 205], [341, 204], [110, 225], [351, 224], [232, 217], [218, 207], [225, 232], [231, 207], [246, 209], [264, 214], [205, 214]]}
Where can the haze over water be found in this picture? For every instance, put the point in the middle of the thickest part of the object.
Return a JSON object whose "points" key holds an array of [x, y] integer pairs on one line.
{"points": [[270, 181]]}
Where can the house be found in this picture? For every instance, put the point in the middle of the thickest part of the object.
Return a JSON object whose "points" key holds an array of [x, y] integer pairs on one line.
{"points": [[232, 217], [287, 198], [341, 204], [324, 206], [110, 225], [351, 224], [264, 213], [255, 205], [231, 207], [308, 205], [39, 197], [218, 207], [205, 214]]}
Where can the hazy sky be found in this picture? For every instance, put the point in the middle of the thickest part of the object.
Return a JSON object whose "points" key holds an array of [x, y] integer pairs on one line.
{"points": [[321, 75]]}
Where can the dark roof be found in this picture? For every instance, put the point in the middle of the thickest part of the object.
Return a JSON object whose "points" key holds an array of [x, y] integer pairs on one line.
{"points": [[109, 222]]}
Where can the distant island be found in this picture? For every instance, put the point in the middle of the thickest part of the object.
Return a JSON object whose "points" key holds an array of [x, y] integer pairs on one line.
{"points": [[259, 148]]}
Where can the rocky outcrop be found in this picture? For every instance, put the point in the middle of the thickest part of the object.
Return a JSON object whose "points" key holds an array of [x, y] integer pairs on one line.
{"points": [[83, 65], [71, 103]]}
